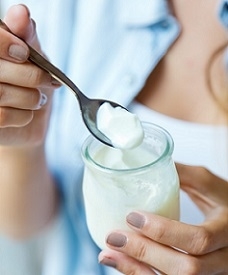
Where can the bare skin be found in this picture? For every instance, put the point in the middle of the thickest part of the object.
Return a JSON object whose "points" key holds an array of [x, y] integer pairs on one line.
{"points": [[152, 244], [29, 198], [179, 88], [181, 78]]}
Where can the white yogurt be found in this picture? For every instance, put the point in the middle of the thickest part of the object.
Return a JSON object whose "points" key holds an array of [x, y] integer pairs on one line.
{"points": [[117, 182], [123, 128]]}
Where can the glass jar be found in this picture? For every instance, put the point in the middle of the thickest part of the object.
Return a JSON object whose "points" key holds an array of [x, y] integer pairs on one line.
{"points": [[117, 182]]}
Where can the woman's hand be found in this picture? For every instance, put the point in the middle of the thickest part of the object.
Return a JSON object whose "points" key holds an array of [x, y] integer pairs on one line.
{"points": [[29, 199], [25, 90], [172, 247]]}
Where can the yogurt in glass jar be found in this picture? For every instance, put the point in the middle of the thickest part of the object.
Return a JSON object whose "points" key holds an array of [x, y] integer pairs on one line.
{"points": [[118, 181]]}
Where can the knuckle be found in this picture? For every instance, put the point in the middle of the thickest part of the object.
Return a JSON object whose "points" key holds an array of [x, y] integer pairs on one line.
{"points": [[35, 97], [190, 266], [1, 93], [35, 76], [159, 232], [202, 172], [3, 117], [141, 252], [201, 242], [1, 69]]}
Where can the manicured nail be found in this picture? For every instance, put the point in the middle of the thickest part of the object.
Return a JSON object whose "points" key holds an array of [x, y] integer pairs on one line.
{"points": [[117, 240], [18, 52], [108, 262], [55, 82], [135, 219], [43, 101]]}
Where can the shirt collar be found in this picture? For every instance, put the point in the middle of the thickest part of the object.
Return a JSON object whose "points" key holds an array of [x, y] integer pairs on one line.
{"points": [[223, 12], [143, 12]]}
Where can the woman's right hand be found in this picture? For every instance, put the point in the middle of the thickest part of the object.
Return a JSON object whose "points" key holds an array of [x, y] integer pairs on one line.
{"points": [[25, 90]]}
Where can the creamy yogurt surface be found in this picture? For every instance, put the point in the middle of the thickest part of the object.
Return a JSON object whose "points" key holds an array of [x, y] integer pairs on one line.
{"points": [[114, 158], [123, 128]]}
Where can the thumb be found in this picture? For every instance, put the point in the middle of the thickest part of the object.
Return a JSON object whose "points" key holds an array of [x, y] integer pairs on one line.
{"points": [[18, 20]]}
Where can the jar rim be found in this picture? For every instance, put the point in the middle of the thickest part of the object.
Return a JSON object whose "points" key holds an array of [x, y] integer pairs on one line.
{"points": [[166, 153]]}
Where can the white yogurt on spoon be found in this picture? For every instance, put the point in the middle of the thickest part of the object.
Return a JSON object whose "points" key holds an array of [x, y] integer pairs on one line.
{"points": [[123, 128]]}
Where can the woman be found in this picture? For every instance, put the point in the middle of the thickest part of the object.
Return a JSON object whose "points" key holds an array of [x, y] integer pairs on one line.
{"points": [[158, 63]]}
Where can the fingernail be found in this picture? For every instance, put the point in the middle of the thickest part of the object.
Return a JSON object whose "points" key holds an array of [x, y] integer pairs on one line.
{"points": [[18, 52], [117, 240], [55, 82], [108, 262], [43, 101], [135, 219]]}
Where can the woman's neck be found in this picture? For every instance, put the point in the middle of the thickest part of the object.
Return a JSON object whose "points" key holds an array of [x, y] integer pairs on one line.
{"points": [[179, 86]]}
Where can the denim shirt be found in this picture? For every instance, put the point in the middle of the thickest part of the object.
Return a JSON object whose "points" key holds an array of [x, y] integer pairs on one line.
{"points": [[108, 48], [114, 47]]}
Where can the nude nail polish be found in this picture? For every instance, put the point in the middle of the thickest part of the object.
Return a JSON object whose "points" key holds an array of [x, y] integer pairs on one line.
{"points": [[135, 219], [117, 240], [18, 52], [42, 102], [108, 262]]}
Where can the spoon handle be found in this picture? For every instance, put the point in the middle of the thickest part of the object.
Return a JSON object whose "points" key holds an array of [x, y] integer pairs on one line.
{"points": [[44, 64], [37, 59]]}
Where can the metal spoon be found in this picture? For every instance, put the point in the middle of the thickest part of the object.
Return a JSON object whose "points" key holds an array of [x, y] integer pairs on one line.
{"points": [[89, 107]]}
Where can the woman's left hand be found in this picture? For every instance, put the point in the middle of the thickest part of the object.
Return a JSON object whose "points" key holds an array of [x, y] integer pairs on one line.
{"points": [[172, 247]]}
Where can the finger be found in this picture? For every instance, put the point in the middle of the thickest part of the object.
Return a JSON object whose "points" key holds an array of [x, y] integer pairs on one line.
{"points": [[21, 98], [124, 263], [25, 75], [19, 21], [204, 182], [12, 48], [10, 117], [196, 240], [32, 133], [162, 258]]}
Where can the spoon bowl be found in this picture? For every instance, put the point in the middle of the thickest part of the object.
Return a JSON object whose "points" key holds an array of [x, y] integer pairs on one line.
{"points": [[88, 106]]}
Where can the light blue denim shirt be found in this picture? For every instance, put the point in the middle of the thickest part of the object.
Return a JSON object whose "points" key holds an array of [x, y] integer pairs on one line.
{"points": [[108, 48]]}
